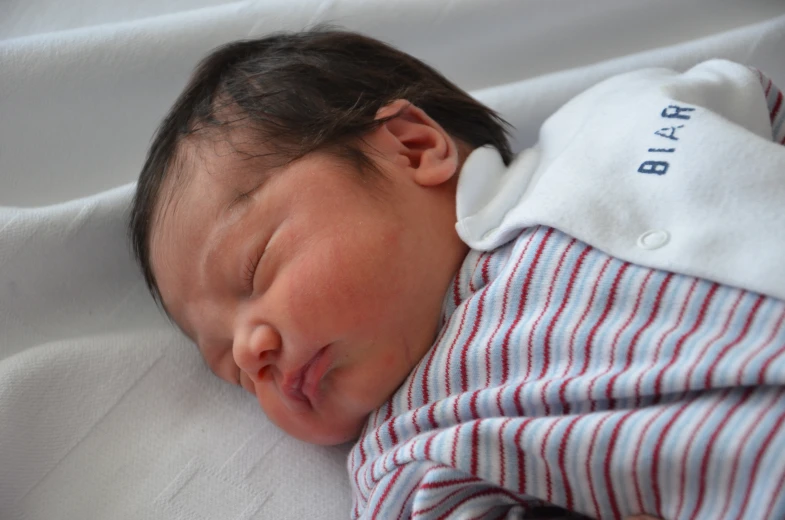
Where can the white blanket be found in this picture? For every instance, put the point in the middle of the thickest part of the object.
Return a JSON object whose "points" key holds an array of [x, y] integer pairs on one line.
{"points": [[105, 410]]}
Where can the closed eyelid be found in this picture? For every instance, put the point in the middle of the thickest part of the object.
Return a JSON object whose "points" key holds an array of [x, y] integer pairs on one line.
{"points": [[249, 268], [254, 258]]}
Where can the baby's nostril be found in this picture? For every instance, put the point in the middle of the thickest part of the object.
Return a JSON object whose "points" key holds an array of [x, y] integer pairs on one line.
{"points": [[260, 374]]}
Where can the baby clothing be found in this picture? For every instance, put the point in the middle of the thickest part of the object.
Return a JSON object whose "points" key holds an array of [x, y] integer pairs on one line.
{"points": [[690, 156], [582, 361]]}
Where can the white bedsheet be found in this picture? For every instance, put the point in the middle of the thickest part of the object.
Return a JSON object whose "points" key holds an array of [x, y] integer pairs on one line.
{"points": [[105, 411]]}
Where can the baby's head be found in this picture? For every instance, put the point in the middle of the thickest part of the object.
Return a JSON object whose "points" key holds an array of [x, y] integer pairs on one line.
{"points": [[295, 218]]}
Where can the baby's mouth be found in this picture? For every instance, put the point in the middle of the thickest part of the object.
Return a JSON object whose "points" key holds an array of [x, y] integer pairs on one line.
{"points": [[302, 388]]}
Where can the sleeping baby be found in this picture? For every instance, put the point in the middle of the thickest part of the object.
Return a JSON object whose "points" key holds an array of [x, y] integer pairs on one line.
{"points": [[595, 326]]}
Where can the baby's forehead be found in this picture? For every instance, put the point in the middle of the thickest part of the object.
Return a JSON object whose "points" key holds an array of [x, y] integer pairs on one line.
{"points": [[204, 168], [229, 158], [213, 169], [191, 206]]}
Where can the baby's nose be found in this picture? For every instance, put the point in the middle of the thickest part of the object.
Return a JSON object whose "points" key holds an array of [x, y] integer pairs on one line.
{"points": [[256, 348]]}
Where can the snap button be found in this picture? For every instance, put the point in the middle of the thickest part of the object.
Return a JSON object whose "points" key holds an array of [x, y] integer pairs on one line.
{"points": [[653, 239]]}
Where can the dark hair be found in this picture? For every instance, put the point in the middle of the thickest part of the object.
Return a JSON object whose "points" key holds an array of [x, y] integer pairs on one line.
{"points": [[298, 93]]}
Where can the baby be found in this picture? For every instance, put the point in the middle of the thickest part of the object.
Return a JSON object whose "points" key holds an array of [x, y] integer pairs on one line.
{"points": [[597, 324]]}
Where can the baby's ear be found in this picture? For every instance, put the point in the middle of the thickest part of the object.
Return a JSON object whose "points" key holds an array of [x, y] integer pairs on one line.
{"points": [[419, 143]]}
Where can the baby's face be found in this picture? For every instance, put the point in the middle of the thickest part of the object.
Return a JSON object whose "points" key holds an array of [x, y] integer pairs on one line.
{"points": [[316, 294]]}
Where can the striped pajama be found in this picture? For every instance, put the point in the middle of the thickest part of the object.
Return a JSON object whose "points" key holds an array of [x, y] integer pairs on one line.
{"points": [[565, 376]]}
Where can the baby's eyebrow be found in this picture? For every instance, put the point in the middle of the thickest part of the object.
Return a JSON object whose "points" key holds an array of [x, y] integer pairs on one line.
{"points": [[264, 173], [244, 196]]}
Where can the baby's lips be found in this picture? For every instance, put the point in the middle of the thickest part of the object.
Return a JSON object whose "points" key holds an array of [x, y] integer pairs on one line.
{"points": [[292, 388], [301, 387], [314, 371], [294, 398]]}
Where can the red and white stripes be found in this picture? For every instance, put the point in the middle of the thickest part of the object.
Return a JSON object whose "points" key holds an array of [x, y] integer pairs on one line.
{"points": [[565, 376]]}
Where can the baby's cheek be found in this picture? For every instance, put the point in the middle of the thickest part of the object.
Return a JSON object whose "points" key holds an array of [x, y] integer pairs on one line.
{"points": [[247, 384], [380, 377], [334, 289]]}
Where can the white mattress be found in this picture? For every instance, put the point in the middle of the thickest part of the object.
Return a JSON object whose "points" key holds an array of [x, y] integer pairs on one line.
{"points": [[105, 410]]}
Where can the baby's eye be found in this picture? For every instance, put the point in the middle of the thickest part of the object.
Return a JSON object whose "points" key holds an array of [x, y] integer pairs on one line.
{"points": [[249, 268]]}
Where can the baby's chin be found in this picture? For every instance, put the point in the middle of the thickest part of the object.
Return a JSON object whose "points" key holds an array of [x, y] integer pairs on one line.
{"points": [[332, 438], [321, 432]]}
